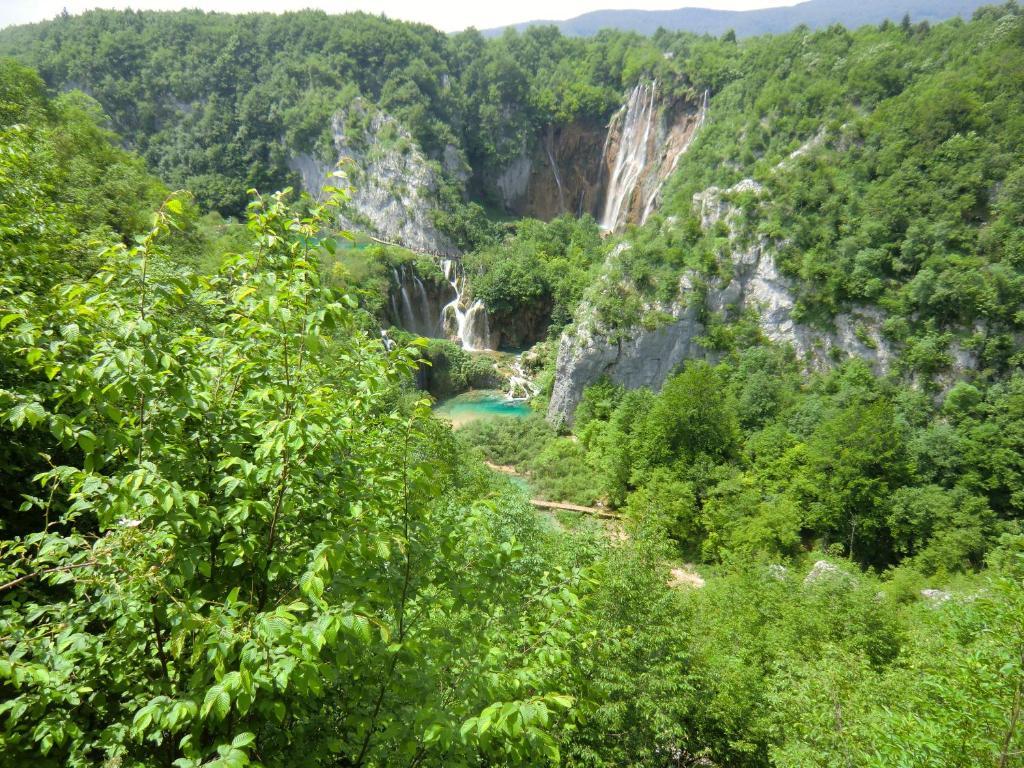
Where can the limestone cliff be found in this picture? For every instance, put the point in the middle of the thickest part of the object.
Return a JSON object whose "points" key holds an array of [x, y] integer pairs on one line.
{"points": [[394, 184], [560, 172], [645, 357], [612, 171]]}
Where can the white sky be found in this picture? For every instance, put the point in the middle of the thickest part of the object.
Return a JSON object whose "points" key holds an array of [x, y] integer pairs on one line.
{"points": [[445, 15]]}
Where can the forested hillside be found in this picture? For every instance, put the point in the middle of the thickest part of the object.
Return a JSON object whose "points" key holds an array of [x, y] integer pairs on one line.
{"points": [[761, 298], [216, 102], [756, 21]]}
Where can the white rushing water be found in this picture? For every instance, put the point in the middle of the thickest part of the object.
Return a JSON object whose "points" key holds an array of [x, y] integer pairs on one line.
{"points": [[411, 306], [520, 385], [631, 156], [554, 169], [652, 199], [467, 323]]}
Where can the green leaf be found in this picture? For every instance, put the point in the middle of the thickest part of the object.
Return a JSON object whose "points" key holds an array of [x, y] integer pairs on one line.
{"points": [[217, 703], [561, 700], [243, 740]]}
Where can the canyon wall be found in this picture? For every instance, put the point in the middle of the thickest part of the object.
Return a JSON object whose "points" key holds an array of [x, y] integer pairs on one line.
{"points": [[394, 184], [560, 173], [612, 171], [645, 357]]}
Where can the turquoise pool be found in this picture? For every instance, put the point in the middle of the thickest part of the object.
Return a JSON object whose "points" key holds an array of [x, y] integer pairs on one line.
{"points": [[480, 404]]}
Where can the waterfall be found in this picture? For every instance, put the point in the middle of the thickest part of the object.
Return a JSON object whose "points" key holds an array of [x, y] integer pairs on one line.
{"points": [[406, 314], [425, 316], [470, 326], [653, 198], [631, 153], [703, 108], [413, 306], [520, 385], [554, 168]]}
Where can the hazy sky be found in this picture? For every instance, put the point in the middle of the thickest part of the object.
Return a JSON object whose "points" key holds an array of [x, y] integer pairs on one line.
{"points": [[449, 16]]}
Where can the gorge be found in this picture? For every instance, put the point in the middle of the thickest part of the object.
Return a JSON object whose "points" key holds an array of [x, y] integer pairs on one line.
{"points": [[629, 400], [618, 184]]}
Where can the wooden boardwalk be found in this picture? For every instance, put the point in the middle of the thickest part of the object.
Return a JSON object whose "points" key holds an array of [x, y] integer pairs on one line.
{"points": [[594, 511], [604, 514]]}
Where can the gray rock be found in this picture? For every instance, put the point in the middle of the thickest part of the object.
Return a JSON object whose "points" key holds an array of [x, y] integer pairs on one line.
{"points": [[394, 186], [822, 571], [513, 182], [639, 357], [644, 358]]}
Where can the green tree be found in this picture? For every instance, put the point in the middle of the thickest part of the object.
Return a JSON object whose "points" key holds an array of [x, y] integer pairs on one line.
{"points": [[248, 551]]}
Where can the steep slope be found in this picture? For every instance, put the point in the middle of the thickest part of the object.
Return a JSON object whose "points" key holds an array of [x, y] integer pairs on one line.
{"points": [[673, 332], [394, 187], [872, 224]]}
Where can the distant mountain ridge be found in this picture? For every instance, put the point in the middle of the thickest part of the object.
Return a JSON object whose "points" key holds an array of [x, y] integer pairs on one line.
{"points": [[814, 13]]}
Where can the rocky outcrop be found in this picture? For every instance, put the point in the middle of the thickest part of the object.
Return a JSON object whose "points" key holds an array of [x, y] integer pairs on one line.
{"points": [[646, 356], [394, 185], [613, 172], [825, 572], [758, 284], [645, 140], [637, 358], [560, 172]]}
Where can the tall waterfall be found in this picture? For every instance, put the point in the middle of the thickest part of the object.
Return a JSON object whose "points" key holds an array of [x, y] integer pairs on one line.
{"points": [[645, 140], [652, 199], [631, 154], [469, 324]]}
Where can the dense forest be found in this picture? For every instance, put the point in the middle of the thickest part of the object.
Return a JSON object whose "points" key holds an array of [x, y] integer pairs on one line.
{"points": [[234, 532]]}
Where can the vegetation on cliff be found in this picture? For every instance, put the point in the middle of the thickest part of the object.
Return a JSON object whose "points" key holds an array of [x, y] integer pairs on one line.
{"points": [[232, 533]]}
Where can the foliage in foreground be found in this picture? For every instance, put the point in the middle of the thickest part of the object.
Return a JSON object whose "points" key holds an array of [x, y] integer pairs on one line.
{"points": [[249, 547]]}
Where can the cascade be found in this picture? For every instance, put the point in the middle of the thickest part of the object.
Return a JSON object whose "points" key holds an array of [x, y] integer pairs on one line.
{"points": [[410, 303], [653, 197], [631, 155], [468, 324], [520, 385], [425, 316], [406, 315]]}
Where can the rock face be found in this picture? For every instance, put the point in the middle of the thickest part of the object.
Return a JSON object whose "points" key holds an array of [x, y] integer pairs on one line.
{"points": [[645, 140], [560, 173], [521, 329], [641, 358], [645, 357], [395, 187], [614, 172]]}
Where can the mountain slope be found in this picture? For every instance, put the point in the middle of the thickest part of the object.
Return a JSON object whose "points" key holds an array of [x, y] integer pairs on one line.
{"points": [[814, 13]]}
